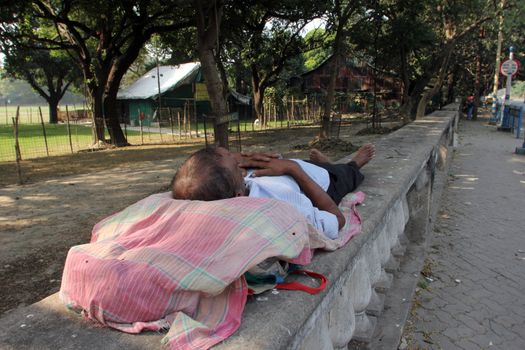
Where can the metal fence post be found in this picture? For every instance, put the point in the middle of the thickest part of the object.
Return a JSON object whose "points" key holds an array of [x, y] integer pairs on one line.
{"points": [[43, 129], [69, 130], [17, 146]]}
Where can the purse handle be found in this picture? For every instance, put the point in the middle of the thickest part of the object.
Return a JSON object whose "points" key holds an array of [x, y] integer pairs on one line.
{"points": [[299, 286]]}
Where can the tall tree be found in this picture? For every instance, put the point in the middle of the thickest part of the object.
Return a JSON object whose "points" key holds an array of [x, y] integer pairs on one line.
{"points": [[408, 36], [372, 39], [208, 19], [47, 71], [267, 37], [338, 17], [501, 21], [420, 41], [477, 82], [103, 37], [458, 19]]}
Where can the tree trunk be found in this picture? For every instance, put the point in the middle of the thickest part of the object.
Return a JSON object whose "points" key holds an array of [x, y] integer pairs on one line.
{"points": [[110, 100], [113, 123], [406, 101], [324, 133], [208, 22], [98, 114], [217, 100], [53, 95], [53, 111], [239, 86], [404, 76], [222, 74], [428, 94], [94, 92], [376, 118], [258, 106], [258, 87], [477, 82], [343, 15], [406, 108], [117, 68], [52, 100], [409, 108], [452, 79], [498, 52]]}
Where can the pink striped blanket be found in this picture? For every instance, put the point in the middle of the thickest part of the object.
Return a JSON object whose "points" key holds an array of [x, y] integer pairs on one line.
{"points": [[179, 265]]}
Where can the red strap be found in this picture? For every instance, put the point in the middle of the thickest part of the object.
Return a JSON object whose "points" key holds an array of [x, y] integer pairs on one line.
{"points": [[304, 287]]}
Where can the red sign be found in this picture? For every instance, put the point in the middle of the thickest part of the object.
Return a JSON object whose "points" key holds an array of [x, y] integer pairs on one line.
{"points": [[509, 67], [141, 115]]}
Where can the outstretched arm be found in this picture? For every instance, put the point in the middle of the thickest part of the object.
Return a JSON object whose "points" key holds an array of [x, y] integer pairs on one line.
{"points": [[276, 167], [255, 156]]}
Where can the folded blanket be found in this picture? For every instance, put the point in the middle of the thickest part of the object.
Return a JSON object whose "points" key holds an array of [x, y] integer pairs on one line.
{"points": [[164, 263], [351, 228]]}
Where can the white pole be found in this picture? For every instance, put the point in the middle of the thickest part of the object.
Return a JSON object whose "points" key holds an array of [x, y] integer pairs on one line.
{"points": [[503, 121]]}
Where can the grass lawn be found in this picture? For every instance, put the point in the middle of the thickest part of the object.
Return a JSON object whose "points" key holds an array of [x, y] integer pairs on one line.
{"points": [[32, 143]]}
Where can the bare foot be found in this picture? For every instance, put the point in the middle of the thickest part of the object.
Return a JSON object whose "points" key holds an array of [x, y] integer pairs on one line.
{"points": [[364, 154], [318, 156]]}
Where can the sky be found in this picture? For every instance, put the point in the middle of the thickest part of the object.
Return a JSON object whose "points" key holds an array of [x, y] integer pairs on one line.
{"points": [[316, 23]]}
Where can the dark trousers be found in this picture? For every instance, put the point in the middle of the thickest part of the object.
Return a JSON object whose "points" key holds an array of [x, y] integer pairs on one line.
{"points": [[344, 178]]}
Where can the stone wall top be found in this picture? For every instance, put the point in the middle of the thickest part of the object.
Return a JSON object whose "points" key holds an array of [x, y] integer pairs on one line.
{"points": [[277, 321]]}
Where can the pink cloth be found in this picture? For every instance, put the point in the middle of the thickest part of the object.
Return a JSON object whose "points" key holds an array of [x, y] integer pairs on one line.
{"points": [[179, 265], [351, 228]]}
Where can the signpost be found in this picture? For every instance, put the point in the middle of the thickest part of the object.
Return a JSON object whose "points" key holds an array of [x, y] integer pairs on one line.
{"points": [[227, 118], [508, 68]]}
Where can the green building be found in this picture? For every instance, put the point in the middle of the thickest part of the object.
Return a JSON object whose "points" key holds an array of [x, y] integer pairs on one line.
{"points": [[179, 91]]}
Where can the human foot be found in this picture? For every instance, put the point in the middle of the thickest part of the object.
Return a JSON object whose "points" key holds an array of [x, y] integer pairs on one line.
{"points": [[364, 154], [318, 156]]}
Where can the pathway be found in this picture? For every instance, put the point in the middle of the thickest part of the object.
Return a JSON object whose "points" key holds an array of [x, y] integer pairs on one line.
{"points": [[473, 295]]}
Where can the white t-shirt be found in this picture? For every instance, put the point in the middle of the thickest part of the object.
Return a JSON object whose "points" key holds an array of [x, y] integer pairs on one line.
{"points": [[285, 188]]}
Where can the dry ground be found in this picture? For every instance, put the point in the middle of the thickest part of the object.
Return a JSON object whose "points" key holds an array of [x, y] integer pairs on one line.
{"points": [[64, 196]]}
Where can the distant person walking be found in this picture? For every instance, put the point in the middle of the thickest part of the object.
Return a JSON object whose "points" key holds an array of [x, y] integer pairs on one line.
{"points": [[470, 106]]}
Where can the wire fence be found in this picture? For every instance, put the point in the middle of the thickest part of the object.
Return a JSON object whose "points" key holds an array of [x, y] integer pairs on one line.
{"points": [[25, 134], [27, 114], [35, 138]]}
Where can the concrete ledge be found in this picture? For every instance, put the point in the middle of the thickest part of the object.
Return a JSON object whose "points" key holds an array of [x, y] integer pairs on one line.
{"points": [[48, 325], [399, 186]]}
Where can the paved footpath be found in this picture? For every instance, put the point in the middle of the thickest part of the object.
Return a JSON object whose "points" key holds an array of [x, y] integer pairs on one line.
{"points": [[474, 293]]}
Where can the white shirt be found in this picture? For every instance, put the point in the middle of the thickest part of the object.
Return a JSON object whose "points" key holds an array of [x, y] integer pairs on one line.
{"points": [[285, 188]]}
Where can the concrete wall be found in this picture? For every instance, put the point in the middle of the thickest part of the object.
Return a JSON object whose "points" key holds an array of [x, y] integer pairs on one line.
{"points": [[400, 185]]}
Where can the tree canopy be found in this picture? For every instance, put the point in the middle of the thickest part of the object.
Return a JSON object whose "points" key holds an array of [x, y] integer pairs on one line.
{"points": [[438, 48]]}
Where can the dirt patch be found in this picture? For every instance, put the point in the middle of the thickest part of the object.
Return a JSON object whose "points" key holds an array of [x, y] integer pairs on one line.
{"points": [[39, 169], [63, 197], [24, 285]]}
